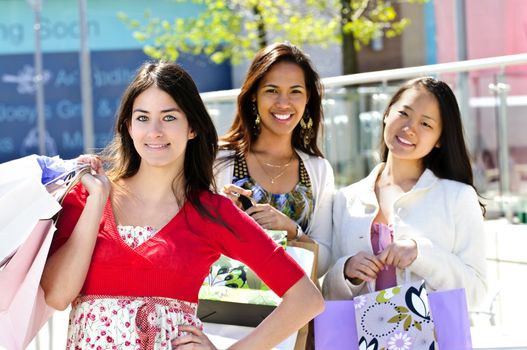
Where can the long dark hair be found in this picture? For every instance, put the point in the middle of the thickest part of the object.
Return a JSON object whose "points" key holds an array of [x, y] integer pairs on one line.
{"points": [[451, 160], [201, 150], [240, 135]]}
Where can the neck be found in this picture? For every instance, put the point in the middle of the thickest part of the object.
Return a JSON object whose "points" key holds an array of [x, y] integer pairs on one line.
{"points": [[156, 184], [401, 172], [279, 149]]}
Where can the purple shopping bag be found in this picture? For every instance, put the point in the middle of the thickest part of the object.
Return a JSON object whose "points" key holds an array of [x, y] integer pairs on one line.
{"points": [[335, 328], [452, 325]]}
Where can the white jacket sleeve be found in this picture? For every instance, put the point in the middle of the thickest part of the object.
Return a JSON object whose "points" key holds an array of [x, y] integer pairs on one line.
{"points": [[321, 228], [464, 266], [335, 285]]}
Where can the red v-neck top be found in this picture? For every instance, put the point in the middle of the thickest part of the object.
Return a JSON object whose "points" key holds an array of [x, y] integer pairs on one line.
{"points": [[174, 262]]}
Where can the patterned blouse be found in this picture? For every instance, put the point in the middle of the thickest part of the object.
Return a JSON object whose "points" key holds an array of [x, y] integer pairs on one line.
{"points": [[109, 322], [297, 204]]}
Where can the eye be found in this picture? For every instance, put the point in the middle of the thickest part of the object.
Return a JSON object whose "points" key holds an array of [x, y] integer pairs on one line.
{"points": [[142, 118], [403, 114], [426, 125], [169, 118], [271, 91], [297, 91]]}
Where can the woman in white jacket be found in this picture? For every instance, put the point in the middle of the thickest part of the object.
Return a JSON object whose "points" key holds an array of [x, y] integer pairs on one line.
{"points": [[271, 154], [418, 210]]}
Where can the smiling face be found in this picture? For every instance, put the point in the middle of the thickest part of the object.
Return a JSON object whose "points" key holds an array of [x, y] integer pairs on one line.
{"points": [[159, 129], [281, 98], [413, 125]]}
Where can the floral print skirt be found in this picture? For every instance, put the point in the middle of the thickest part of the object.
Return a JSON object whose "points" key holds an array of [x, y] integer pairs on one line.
{"points": [[107, 322]]}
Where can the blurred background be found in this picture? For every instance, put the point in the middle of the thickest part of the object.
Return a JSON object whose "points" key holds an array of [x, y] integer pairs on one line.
{"points": [[64, 65]]}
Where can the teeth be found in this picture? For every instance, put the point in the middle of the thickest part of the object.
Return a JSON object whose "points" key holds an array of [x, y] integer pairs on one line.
{"points": [[282, 116], [405, 141], [156, 146]]}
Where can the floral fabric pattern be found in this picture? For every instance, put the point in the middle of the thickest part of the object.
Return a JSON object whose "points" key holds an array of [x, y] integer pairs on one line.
{"points": [[297, 204], [109, 322], [127, 322], [134, 236]]}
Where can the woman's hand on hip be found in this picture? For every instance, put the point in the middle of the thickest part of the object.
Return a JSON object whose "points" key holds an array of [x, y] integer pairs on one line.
{"points": [[401, 253], [362, 267], [195, 339]]}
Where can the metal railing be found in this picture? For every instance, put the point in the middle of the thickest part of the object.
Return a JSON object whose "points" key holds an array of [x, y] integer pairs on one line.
{"points": [[372, 89]]}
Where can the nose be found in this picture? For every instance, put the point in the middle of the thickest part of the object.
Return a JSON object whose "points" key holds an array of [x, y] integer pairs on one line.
{"points": [[282, 99], [409, 127], [156, 129]]}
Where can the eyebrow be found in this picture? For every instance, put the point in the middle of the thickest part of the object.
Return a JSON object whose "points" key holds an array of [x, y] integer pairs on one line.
{"points": [[163, 111], [424, 115], [291, 87]]}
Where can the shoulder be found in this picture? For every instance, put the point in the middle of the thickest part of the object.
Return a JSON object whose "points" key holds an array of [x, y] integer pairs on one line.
{"points": [[315, 163], [223, 166], [354, 189], [225, 153], [458, 193], [456, 187], [215, 200]]}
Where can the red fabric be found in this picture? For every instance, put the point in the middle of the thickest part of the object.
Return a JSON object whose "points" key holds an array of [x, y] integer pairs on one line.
{"points": [[174, 262]]}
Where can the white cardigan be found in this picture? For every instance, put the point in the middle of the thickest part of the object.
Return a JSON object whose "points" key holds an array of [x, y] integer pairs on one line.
{"points": [[322, 180], [442, 216]]}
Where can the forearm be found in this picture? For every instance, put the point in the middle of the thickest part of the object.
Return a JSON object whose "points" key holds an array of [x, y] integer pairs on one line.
{"points": [[66, 269], [299, 305]]}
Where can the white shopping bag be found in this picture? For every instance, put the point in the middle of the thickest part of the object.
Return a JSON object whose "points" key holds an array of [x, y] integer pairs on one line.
{"points": [[22, 195]]}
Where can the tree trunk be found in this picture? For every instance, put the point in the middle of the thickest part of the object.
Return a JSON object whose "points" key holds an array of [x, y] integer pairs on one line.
{"points": [[262, 33], [349, 53]]}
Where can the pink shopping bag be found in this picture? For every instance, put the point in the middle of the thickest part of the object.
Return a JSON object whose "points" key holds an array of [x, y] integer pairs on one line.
{"points": [[23, 310]]}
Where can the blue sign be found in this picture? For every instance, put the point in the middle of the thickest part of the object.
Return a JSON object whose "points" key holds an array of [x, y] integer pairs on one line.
{"points": [[111, 72]]}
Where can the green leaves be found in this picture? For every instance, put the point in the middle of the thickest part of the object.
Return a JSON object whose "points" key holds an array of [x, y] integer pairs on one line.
{"points": [[235, 29]]}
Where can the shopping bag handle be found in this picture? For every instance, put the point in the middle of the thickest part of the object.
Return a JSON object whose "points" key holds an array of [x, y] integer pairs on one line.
{"points": [[69, 174], [71, 179]]}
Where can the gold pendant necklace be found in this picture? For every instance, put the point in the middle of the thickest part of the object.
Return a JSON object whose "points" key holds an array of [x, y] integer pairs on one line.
{"points": [[274, 178]]}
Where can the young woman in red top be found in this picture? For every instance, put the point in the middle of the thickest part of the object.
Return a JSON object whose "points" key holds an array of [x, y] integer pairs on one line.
{"points": [[132, 249]]}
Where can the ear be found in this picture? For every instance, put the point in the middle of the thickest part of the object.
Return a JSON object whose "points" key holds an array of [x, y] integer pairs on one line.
{"points": [[438, 145], [191, 134]]}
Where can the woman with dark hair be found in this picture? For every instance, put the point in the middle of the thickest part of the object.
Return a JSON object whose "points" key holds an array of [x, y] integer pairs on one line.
{"points": [[132, 249], [271, 152], [416, 211]]}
